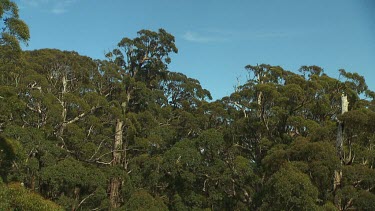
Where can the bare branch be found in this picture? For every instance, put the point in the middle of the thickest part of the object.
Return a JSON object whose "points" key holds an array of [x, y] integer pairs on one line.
{"points": [[82, 115], [90, 130], [83, 200], [97, 150]]}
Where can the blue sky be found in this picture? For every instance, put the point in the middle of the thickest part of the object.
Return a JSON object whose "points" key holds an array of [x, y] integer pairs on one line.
{"points": [[217, 38]]}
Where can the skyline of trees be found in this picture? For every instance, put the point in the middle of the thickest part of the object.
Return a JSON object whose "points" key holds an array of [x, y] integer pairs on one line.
{"points": [[127, 133]]}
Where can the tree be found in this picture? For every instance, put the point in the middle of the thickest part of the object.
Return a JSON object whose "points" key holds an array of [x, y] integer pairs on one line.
{"points": [[127, 133], [290, 189], [140, 63], [183, 92], [13, 30]]}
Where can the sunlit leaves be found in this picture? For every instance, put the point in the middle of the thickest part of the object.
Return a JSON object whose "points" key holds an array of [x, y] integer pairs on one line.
{"points": [[13, 31], [19, 198]]}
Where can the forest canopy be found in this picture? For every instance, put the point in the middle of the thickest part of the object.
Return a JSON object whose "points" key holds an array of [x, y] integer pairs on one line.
{"points": [[128, 133]]}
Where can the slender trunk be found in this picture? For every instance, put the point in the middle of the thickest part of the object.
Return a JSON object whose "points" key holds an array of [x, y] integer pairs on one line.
{"points": [[119, 157], [339, 148], [64, 112], [117, 145], [261, 106], [63, 92], [115, 183], [260, 114], [259, 99], [340, 130]]}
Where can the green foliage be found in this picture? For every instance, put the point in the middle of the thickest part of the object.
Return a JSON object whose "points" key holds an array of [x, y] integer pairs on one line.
{"points": [[126, 133], [290, 189], [365, 201], [13, 31], [16, 197], [11, 153], [142, 200], [182, 160], [70, 173], [4, 197]]}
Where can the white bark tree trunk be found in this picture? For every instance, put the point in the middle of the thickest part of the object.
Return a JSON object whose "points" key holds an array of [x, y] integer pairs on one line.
{"points": [[114, 192], [339, 147]]}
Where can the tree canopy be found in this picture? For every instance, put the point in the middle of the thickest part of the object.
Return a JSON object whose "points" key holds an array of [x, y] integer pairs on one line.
{"points": [[128, 133]]}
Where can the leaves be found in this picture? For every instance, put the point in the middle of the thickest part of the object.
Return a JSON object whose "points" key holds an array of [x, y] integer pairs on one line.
{"points": [[13, 29], [126, 133], [290, 189]]}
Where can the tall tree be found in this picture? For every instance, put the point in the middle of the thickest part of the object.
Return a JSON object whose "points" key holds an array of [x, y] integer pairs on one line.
{"points": [[142, 60]]}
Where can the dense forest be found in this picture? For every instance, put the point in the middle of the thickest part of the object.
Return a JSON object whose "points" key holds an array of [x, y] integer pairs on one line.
{"points": [[127, 133]]}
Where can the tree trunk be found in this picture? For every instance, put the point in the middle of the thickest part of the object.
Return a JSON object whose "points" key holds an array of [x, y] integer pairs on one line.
{"points": [[115, 183], [117, 145], [114, 194], [64, 111], [339, 148], [259, 100], [340, 130], [76, 192]]}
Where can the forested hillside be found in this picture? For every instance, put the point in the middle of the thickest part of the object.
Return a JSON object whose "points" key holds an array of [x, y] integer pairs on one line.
{"points": [[128, 133]]}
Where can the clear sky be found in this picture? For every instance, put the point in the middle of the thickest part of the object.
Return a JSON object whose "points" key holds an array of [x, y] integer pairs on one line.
{"points": [[217, 38]]}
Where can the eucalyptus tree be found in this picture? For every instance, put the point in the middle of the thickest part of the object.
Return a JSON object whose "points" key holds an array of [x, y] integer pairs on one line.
{"points": [[54, 123], [277, 109], [183, 92], [59, 90], [140, 64], [354, 187], [127, 133], [13, 29]]}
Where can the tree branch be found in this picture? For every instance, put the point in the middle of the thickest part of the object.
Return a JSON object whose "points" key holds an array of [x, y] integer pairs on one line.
{"points": [[82, 115], [83, 200], [97, 150]]}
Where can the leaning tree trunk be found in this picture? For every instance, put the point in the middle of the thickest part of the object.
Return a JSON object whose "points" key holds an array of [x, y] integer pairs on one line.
{"points": [[115, 183], [339, 148]]}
